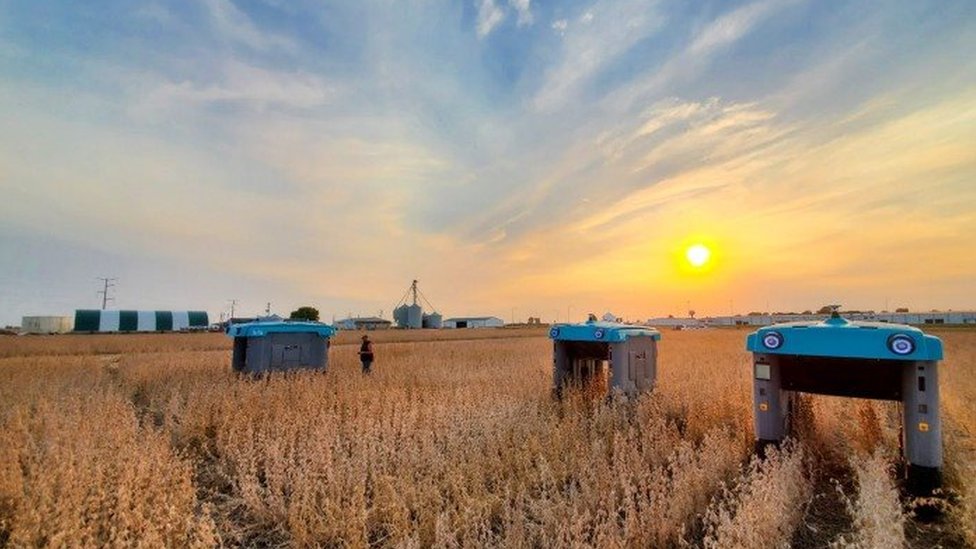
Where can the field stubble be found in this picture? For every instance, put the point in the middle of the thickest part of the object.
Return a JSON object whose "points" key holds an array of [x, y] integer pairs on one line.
{"points": [[152, 441]]}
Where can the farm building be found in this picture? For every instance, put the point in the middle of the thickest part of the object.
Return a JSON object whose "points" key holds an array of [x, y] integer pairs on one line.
{"points": [[676, 322], [474, 322], [139, 321], [47, 324], [363, 323]]}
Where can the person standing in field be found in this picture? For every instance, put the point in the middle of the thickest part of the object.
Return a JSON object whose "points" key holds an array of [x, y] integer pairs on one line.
{"points": [[366, 354]]}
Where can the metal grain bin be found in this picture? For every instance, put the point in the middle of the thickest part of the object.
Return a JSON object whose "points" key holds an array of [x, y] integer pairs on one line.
{"points": [[264, 347], [434, 321], [581, 352], [853, 359]]}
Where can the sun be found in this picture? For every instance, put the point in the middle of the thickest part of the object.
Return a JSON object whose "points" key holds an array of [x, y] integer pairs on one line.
{"points": [[698, 255]]}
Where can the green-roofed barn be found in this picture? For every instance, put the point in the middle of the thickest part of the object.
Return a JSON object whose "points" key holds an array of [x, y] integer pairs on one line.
{"points": [[104, 321]]}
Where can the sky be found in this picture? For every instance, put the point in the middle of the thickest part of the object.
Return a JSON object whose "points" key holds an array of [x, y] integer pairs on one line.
{"points": [[518, 157]]}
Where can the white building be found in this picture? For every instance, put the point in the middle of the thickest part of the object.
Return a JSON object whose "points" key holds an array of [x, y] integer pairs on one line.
{"points": [[474, 322], [47, 324], [675, 322]]}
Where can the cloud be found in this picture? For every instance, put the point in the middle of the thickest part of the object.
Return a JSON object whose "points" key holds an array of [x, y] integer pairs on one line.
{"points": [[241, 84], [706, 43], [732, 26], [524, 9], [237, 27], [642, 152], [489, 16], [613, 29], [560, 25]]}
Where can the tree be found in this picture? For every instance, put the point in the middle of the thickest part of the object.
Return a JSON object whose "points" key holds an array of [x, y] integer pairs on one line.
{"points": [[825, 310], [305, 313], [901, 310]]}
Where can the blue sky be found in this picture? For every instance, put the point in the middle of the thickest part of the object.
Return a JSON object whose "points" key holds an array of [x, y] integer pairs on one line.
{"points": [[508, 153]]}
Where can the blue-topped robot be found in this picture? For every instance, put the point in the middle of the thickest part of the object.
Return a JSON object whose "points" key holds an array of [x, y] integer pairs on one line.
{"points": [[580, 352], [853, 359], [276, 346]]}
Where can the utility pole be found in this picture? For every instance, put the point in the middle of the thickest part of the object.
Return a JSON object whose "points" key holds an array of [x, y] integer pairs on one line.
{"points": [[233, 303], [107, 284], [267, 309]]}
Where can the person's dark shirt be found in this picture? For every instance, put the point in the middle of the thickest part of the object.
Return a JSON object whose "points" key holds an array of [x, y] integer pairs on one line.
{"points": [[366, 351]]}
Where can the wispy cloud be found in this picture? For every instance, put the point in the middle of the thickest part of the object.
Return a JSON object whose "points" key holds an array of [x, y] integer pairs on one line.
{"points": [[732, 26], [237, 27], [242, 84], [613, 28], [489, 16], [524, 10], [705, 44]]}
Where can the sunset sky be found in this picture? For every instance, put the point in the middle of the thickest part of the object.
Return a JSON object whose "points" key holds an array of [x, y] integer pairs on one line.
{"points": [[550, 157]]}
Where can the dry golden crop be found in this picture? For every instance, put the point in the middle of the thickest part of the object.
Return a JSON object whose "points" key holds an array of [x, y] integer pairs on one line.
{"points": [[455, 441]]}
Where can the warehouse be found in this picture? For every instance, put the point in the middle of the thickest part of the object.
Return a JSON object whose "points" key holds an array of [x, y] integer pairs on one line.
{"points": [[474, 322], [47, 324], [139, 321]]}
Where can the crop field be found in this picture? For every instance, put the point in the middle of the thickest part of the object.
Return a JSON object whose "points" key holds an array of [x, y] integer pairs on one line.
{"points": [[454, 440]]}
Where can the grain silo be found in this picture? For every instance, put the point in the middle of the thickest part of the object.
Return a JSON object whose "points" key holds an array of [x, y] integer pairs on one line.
{"points": [[434, 321], [400, 316], [415, 316], [411, 316]]}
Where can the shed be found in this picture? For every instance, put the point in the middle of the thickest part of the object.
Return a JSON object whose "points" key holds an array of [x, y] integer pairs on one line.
{"points": [[581, 353], [474, 322], [845, 358], [47, 324], [264, 347]]}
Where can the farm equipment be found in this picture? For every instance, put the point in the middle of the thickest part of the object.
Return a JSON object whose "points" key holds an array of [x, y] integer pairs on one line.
{"points": [[276, 346], [853, 359], [581, 353]]}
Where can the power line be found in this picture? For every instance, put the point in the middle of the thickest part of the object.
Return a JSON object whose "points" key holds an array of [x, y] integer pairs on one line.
{"points": [[108, 283], [427, 301]]}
